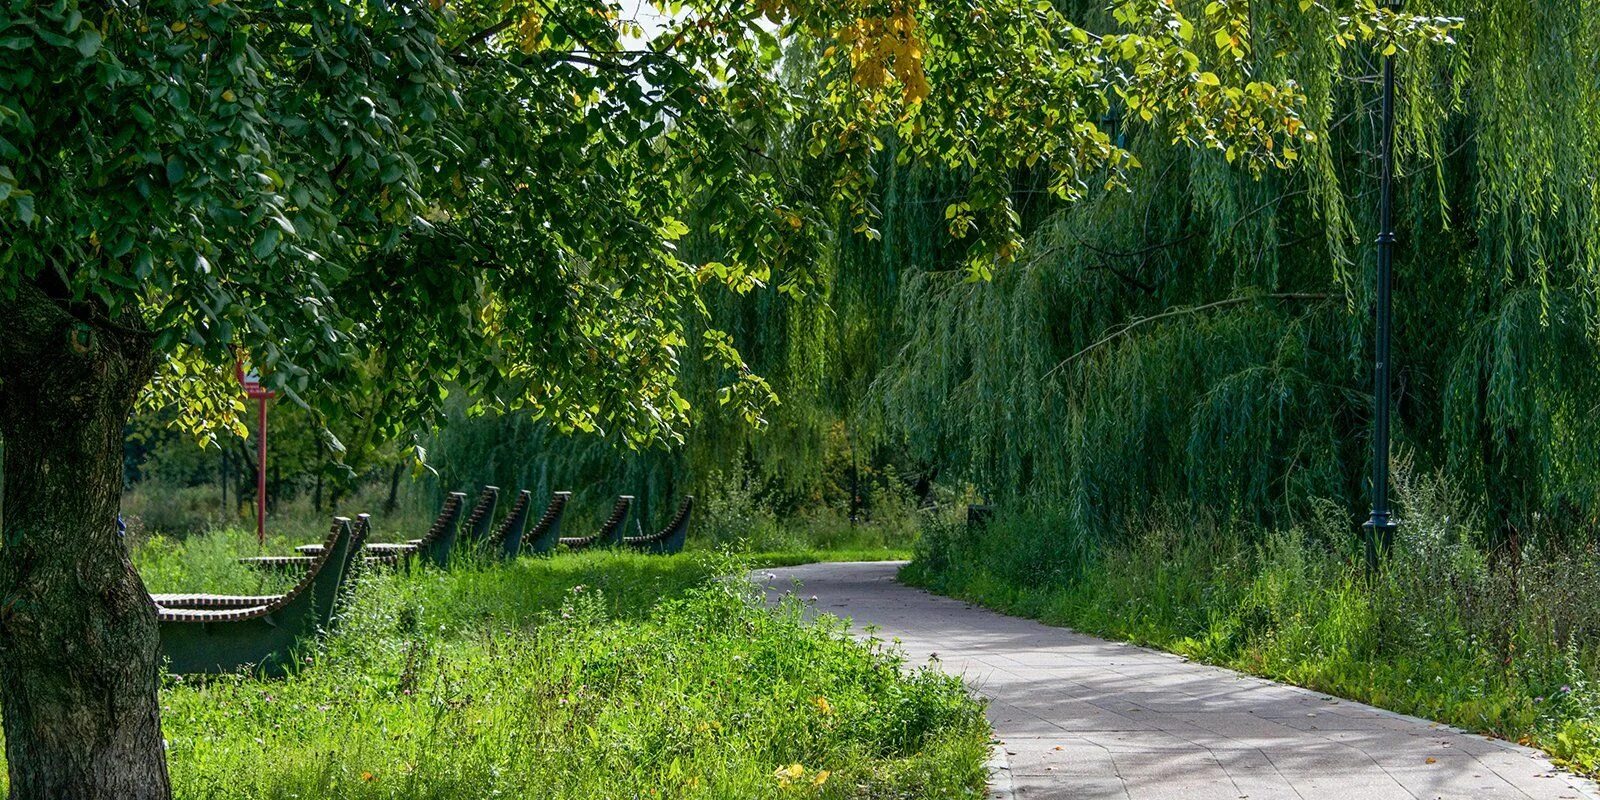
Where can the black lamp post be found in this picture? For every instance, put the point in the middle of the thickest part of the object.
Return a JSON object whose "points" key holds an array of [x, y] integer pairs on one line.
{"points": [[1379, 529]]}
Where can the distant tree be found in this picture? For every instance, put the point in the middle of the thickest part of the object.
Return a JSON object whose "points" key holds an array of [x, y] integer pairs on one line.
{"points": [[389, 200]]}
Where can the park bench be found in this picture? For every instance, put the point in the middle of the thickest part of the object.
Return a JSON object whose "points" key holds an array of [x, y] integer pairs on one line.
{"points": [[544, 535], [482, 516], [506, 540], [473, 529], [611, 531], [434, 547], [362, 528], [218, 634], [669, 539]]}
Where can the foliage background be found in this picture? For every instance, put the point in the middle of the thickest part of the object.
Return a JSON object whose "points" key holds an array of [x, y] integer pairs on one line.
{"points": [[1191, 333]]}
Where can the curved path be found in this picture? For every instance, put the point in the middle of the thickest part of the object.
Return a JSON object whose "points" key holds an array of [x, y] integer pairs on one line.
{"points": [[1080, 717]]}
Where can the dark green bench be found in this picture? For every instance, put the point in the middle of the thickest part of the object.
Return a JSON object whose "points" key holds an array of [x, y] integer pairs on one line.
{"points": [[216, 634], [434, 547], [546, 534], [669, 539], [611, 531], [507, 537], [476, 528]]}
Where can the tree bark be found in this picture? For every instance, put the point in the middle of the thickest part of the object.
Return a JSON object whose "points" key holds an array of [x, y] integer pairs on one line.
{"points": [[244, 476], [224, 481], [316, 499], [78, 639], [394, 489]]}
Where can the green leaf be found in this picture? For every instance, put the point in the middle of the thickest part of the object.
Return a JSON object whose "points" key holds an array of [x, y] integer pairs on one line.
{"points": [[267, 242], [89, 43]]}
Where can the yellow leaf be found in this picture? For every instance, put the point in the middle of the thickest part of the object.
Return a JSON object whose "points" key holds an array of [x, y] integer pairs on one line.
{"points": [[1210, 79]]}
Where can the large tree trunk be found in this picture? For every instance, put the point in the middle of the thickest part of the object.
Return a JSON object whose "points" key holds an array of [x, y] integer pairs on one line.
{"points": [[78, 641]]}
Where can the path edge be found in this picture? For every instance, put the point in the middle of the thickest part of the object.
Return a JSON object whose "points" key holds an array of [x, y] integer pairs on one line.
{"points": [[1000, 784]]}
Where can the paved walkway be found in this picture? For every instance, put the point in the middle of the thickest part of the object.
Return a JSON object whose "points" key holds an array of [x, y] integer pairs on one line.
{"points": [[1080, 717]]}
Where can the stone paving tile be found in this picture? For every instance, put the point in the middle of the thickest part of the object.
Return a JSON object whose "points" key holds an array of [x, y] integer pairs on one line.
{"points": [[1085, 718]]}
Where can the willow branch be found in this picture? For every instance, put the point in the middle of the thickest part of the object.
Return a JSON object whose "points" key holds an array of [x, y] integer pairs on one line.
{"points": [[1180, 312]]}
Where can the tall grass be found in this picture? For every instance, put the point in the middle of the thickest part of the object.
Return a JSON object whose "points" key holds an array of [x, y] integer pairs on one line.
{"points": [[593, 675], [154, 507], [732, 513], [1504, 646]]}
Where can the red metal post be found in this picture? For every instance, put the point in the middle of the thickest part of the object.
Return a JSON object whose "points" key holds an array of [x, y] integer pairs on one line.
{"points": [[261, 473]]}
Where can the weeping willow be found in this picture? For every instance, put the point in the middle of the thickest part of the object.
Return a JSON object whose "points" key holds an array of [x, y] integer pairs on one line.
{"points": [[1203, 337]]}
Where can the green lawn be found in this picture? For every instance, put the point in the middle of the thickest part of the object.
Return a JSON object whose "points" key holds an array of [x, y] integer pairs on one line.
{"points": [[593, 675]]}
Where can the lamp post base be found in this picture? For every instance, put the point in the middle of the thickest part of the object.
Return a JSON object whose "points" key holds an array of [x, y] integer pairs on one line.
{"points": [[1378, 536]]}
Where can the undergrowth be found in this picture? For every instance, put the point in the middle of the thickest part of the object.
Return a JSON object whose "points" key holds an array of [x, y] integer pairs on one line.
{"points": [[1508, 647], [591, 675]]}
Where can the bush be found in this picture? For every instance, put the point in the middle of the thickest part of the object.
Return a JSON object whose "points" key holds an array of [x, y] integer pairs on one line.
{"points": [[732, 511], [155, 507]]}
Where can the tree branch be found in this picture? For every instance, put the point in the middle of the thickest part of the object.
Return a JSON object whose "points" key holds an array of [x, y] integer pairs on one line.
{"points": [[1184, 311], [1142, 286], [481, 36]]}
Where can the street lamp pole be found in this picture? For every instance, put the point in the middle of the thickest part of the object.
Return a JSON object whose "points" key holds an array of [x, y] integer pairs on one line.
{"points": [[1379, 528]]}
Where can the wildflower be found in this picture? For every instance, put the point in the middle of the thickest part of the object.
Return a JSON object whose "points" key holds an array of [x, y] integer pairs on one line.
{"points": [[1565, 688], [788, 775], [823, 706], [368, 777]]}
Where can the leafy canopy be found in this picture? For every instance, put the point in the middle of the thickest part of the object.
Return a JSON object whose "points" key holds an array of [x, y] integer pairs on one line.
{"points": [[375, 202]]}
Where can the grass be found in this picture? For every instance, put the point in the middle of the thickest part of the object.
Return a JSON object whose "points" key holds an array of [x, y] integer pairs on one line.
{"points": [[591, 675], [210, 561], [1445, 633], [731, 521], [789, 558]]}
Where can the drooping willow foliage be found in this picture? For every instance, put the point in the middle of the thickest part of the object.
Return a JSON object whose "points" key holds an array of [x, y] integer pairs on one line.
{"points": [[1203, 337]]}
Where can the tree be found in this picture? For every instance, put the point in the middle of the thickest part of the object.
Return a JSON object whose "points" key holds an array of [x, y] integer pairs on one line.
{"points": [[480, 196]]}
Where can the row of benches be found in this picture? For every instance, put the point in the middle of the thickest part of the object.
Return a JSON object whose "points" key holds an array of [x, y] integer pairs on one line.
{"points": [[212, 634]]}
